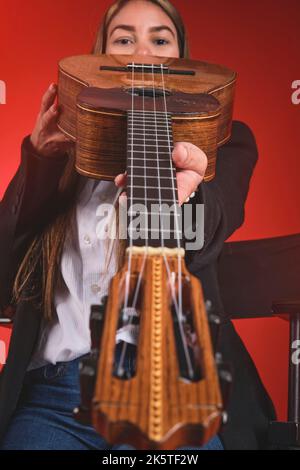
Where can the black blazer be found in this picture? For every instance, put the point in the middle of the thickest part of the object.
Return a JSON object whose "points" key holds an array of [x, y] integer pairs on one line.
{"points": [[30, 200]]}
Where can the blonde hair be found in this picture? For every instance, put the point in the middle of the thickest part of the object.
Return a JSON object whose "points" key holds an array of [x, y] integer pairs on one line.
{"points": [[44, 253]]}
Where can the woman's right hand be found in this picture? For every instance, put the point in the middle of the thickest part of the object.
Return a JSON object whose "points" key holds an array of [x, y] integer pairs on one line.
{"points": [[46, 138]]}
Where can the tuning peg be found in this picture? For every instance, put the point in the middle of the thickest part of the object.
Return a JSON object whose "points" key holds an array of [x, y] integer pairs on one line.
{"points": [[87, 377], [225, 380], [88, 364], [97, 322], [214, 321]]}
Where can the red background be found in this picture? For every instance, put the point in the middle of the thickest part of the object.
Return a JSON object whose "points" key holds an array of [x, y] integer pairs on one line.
{"points": [[259, 39]]}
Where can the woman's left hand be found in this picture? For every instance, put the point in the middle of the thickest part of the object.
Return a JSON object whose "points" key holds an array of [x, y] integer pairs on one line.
{"points": [[191, 164]]}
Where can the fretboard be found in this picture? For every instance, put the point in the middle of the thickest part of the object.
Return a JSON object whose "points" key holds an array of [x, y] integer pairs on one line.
{"points": [[151, 181]]}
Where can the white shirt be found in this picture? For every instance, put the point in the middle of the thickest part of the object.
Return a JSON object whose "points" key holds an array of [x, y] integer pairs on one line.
{"points": [[85, 276]]}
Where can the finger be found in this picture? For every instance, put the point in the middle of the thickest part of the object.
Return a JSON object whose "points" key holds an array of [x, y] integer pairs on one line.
{"points": [[49, 117], [187, 182], [48, 98], [189, 157], [121, 180], [60, 143], [62, 138], [123, 199]]}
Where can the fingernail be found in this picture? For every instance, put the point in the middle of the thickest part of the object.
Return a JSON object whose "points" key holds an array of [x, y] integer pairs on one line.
{"points": [[52, 87]]}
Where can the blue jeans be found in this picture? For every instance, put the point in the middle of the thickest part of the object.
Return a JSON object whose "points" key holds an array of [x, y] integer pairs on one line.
{"points": [[44, 418]]}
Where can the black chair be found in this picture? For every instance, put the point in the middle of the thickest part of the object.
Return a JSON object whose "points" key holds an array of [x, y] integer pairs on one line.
{"points": [[261, 278]]}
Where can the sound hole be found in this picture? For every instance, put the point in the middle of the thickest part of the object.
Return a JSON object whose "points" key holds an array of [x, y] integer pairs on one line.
{"points": [[148, 92]]}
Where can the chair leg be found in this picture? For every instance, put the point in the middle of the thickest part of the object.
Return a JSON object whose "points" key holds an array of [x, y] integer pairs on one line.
{"points": [[286, 435], [294, 370]]}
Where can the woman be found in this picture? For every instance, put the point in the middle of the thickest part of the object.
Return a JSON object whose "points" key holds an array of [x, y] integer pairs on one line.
{"points": [[47, 270]]}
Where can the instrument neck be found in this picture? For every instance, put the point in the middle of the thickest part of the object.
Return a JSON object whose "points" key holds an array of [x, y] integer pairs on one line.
{"points": [[153, 211]]}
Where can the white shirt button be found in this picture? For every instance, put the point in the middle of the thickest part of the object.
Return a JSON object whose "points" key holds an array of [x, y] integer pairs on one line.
{"points": [[87, 240], [95, 288]]}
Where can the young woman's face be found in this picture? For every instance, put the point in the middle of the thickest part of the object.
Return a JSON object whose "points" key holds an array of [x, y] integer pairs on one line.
{"points": [[142, 28]]}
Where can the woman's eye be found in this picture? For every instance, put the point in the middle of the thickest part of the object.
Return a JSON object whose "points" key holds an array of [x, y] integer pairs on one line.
{"points": [[123, 41], [161, 42]]}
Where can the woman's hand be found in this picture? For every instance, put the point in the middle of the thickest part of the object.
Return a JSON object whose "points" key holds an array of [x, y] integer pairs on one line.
{"points": [[46, 138], [191, 164]]}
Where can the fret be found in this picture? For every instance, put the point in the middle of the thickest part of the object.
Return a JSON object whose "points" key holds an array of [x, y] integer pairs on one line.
{"points": [[150, 156], [166, 193], [168, 168], [153, 207], [147, 112], [148, 136], [165, 174], [163, 214], [152, 172], [151, 134], [146, 141], [146, 178], [154, 196], [138, 126], [149, 131], [140, 122], [154, 230], [153, 177], [148, 187], [150, 123], [148, 117], [150, 159], [153, 161], [151, 199], [153, 119], [154, 220], [148, 145], [148, 181], [146, 124], [147, 219], [140, 119]]}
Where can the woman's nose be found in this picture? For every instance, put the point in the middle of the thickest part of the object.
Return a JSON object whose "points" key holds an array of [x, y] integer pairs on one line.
{"points": [[142, 49]]}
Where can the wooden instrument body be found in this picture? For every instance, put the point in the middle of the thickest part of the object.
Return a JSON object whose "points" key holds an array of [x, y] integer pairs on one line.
{"points": [[156, 409], [100, 132]]}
